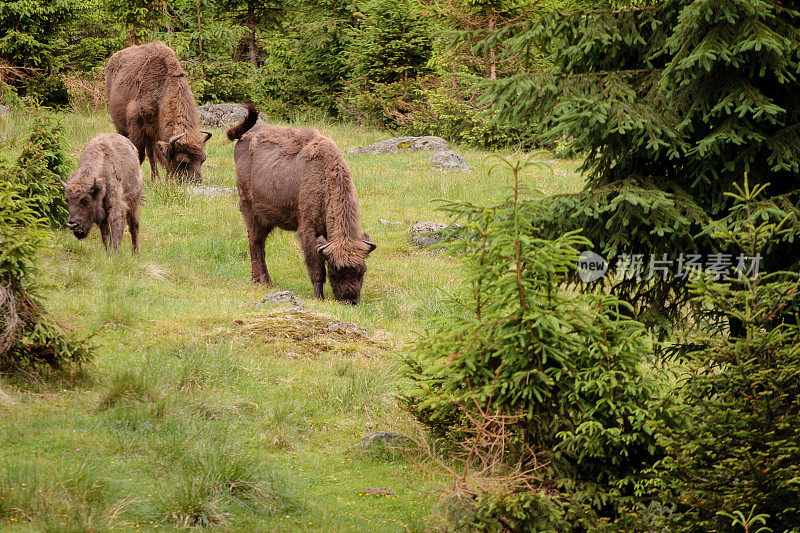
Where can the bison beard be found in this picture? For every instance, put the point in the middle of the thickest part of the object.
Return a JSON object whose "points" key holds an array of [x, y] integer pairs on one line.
{"points": [[150, 102], [297, 180]]}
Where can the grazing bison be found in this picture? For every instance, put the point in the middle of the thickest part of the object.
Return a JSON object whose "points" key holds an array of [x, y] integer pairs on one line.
{"points": [[106, 190], [297, 180], [151, 104]]}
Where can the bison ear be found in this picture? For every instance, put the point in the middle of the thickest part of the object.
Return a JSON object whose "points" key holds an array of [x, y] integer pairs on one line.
{"points": [[208, 135]]}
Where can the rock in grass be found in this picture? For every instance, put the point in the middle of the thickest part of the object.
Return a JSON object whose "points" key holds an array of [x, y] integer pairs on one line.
{"points": [[399, 144], [426, 234], [213, 191], [224, 115], [281, 298], [448, 160], [346, 327], [384, 438], [4, 109]]}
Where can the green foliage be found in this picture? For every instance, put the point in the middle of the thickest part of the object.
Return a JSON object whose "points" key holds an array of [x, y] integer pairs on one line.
{"points": [[677, 98], [41, 167], [446, 113], [735, 441], [567, 363], [28, 336], [32, 41], [226, 81]]}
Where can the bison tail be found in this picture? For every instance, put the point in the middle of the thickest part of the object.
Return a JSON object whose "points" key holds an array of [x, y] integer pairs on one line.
{"points": [[236, 132]]}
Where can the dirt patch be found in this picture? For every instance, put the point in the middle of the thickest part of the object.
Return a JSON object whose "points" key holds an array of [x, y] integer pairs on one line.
{"points": [[300, 333]]}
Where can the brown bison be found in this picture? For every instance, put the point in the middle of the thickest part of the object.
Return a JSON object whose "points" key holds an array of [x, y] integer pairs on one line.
{"points": [[106, 190], [297, 180], [151, 104]]}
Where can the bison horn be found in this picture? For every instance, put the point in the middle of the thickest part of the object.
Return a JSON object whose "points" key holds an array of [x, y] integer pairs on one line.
{"points": [[208, 135], [321, 249], [63, 183], [371, 245], [176, 138]]}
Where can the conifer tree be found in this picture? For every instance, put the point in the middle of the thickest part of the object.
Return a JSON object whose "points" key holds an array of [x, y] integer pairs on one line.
{"points": [[670, 104]]}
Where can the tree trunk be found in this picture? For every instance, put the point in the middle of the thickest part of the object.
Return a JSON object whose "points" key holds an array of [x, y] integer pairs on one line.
{"points": [[199, 34], [251, 23], [492, 54], [167, 18]]}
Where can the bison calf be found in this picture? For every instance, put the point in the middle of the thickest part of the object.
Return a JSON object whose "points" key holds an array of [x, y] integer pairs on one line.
{"points": [[297, 180], [106, 190]]}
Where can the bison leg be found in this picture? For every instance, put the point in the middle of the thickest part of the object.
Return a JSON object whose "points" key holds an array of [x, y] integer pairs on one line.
{"points": [[133, 225], [315, 264], [151, 156], [104, 232], [116, 226], [257, 237]]}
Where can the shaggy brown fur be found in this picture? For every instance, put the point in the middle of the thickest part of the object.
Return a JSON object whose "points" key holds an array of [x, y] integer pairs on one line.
{"points": [[106, 190], [151, 103], [297, 180]]}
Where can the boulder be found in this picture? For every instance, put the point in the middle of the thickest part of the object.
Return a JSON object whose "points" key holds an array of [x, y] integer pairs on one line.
{"points": [[224, 115], [426, 234], [213, 191], [4, 109], [399, 144], [281, 298], [448, 160], [384, 438]]}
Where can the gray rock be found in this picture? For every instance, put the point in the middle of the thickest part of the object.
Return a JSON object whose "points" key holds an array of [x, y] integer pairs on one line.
{"points": [[346, 327], [398, 144], [449, 160], [281, 298], [4, 109], [213, 191], [426, 234], [224, 115], [384, 438]]}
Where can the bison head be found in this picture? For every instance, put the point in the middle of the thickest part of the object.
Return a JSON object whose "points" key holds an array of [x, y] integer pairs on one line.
{"points": [[346, 266], [85, 204], [183, 155]]}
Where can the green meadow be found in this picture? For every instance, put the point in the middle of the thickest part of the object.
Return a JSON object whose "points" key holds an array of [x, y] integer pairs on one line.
{"points": [[202, 409]]}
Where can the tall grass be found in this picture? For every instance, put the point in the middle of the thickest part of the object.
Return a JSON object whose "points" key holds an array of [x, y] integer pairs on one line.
{"points": [[206, 411]]}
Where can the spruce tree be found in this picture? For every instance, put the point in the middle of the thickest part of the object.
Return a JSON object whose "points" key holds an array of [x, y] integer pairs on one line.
{"points": [[670, 104]]}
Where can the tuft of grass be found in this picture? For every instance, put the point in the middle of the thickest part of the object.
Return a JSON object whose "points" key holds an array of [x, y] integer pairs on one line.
{"points": [[129, 387], [64, 496], [218, 480]]}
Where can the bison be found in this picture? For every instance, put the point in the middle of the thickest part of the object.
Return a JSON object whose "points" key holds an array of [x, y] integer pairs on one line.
{"points": [[106, 190], [151, 104], [297, 180]]}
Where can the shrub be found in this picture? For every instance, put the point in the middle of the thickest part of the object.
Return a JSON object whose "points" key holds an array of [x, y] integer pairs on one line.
{"points": [[736, 444], [560, 368], [41, 167], [28, 336], [449, 114]]}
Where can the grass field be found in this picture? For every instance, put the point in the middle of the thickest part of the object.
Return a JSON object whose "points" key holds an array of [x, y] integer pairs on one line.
{"points": [[203, 410]]}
